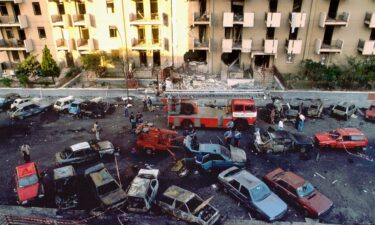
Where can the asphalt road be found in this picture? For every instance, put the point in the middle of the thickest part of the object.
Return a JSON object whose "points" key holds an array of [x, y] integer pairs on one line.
{"points": [[348, 181]]}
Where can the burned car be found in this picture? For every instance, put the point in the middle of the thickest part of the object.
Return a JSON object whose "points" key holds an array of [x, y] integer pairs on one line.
{"points": [[214, 156], [84, 152], [65, 181], [309, 107], [188, 206], [95, 109], [273, 141], [279, 110], [344, 110], [370, 113], [105, 188], [7, 100], [142, 190], [299, 191]]}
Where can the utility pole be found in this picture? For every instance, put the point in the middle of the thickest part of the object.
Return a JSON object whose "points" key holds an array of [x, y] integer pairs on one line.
{"points": [[125, 56]]}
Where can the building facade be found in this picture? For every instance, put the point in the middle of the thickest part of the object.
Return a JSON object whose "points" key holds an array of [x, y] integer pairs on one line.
{"points": [[231, 38]]}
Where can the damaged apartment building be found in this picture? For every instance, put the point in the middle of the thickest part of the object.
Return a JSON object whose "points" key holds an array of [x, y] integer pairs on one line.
{"points": [[229, 39]]}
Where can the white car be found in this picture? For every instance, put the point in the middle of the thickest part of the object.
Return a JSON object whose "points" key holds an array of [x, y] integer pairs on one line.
{"points": [[63, 104], [19, 101]]}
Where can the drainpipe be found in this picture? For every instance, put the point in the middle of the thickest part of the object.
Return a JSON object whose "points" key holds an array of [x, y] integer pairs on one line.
{"points": [[126, 66]]}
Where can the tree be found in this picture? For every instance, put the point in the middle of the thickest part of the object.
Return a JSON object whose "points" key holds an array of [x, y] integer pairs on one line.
{"points": [[49, 66], [29, 67], [92, 62]]}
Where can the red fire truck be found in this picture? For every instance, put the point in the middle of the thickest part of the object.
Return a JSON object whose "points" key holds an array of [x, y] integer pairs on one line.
{"points": [[186, 112]]}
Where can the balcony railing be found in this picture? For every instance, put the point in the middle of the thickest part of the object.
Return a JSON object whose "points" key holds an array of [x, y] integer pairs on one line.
{"points": [[141, 19], [201, 44], [335, 46], [201, 19], [297, 20], [273, 19], [342, 19], [370, 19], [81, 20], [61, 20], [65, 44], [366, 47], [270, 46], [293, 46], [16, 45], [243, 45], [12, 21], [245, 19], [146, 44]]}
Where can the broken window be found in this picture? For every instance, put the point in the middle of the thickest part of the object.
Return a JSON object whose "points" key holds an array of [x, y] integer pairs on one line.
{"points": [[372, 35], [333, 6], [60, 8], [141, 35], [202, 34], [110, 6], [155, 35], [202, 7], [112, 31], [273, 5], [231, 58], [143, 58], [198, 55], [270, 33], [293, 33], [154, 10], [235, 184], [81, 8], [297, 5], [167, 200], [237, 9], [139, 9], [3, 9], [156, 58]]}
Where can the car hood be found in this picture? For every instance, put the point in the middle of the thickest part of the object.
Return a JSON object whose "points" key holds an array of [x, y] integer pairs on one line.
{"points": [[318, 202], [272, 206], [324, 137], [103, 145], [28, 192], [237, 154], [113, 197]]}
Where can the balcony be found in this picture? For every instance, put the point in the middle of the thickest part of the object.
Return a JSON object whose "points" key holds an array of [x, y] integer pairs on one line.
{"points": [[201, 44], [141, 19], [64, 45], [16, 45], [273, 19], [11, 21], [15, 1], [244, 19], [336, 46], [293, 46], [201, 19], [366, 47], [270, 46], [342, 19], [86, 44], [146, 44], [81, 20], [61, 21], [370, 19], [297, 20], [243, 45]]}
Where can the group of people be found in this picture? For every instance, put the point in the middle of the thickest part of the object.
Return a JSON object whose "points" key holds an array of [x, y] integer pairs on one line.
{"points": [[135, 119], [232, 135], [147, 104]]}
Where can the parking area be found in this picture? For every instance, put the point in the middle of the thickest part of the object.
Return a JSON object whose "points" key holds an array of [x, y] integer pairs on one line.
{"points": [[347, 180]]}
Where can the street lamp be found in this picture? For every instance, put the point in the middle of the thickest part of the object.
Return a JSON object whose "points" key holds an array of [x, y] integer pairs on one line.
{"points": [[125, 56]]}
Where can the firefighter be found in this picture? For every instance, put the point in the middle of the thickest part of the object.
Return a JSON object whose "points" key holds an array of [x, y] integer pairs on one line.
{"points": [[228, 135], [237, 138]]}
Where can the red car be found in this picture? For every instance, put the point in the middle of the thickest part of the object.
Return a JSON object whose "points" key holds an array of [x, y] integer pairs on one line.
{"points": [[370, 112], [28, 183], [294, 188], [343, 138]]}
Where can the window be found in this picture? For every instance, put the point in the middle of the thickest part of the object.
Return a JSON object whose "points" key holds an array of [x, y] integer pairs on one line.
{"points": [[166, 200], [181, 206], [216, 157], [149, 192], [79, 153], [112, 32], [81, 8], [36, 8], [357, 138], [250, 108], [283, 184], [3, 9], [238, 107], [110, 7], [235, 184], [245, 192], [9, 33], [42, 33], [60, 8], [15, 56]]}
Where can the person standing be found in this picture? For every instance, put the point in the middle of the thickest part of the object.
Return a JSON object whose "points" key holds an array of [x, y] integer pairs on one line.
{"points": [[139, 118], [96, 130], [132, 120], [149, 103], [144, 101], [281, 125], [301, 122], [126, 110], [25, 151], [237, 138], [228, 135]]}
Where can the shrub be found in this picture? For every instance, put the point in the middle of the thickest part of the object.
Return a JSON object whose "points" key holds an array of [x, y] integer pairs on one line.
{"points": [[7, 82]]}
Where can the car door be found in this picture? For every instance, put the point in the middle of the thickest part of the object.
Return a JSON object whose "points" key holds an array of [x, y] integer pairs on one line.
{"points": [[234, 187], [218, 161], [206, 162], [182, 211], [90, 154], [282, 188], [244, 196]]}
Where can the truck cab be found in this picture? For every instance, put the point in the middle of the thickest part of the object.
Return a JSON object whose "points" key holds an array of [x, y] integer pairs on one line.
{"points": [[244, 112]]}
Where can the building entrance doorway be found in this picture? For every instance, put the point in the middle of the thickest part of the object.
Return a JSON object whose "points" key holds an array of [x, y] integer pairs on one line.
{"points": [[262, 61]]}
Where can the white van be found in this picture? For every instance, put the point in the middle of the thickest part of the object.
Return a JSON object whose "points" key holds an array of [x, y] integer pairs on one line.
{"points": [[63, 104]]}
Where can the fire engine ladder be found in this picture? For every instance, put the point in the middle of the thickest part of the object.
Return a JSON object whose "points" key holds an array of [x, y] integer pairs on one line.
{"points": [[227, 94], [26, 220]]}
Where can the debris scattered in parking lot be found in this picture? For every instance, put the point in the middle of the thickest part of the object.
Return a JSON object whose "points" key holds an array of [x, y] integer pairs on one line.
{"points": [[320, 175], [333, 182]]}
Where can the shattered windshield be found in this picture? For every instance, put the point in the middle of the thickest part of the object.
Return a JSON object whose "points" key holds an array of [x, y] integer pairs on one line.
{"points": [[260, 192], [193, 203], [136, 202], [108, 187], [225, 151], [305, 190], [66, 153], [28, 181]]}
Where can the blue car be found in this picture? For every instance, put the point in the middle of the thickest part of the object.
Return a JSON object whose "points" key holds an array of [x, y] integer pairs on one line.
{"points": [[215, 156], [74, 107]]}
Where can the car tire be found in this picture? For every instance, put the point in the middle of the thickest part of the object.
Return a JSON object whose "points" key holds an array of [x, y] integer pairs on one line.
{"points": [[187, 109]]}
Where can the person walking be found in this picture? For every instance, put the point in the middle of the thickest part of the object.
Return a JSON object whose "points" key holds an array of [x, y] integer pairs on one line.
{"points": [[237, 138], [126, 110], [96, 130], [144, 101], [280, 125], [228, 135], [149, 103], [301, 122], [25, 151], [132, 120]]}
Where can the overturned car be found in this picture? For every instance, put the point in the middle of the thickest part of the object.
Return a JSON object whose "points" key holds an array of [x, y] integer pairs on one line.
{"points": [[188, 206]]}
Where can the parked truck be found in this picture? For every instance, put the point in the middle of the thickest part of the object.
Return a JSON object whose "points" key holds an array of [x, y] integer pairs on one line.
{"points": [[186, 113]]}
